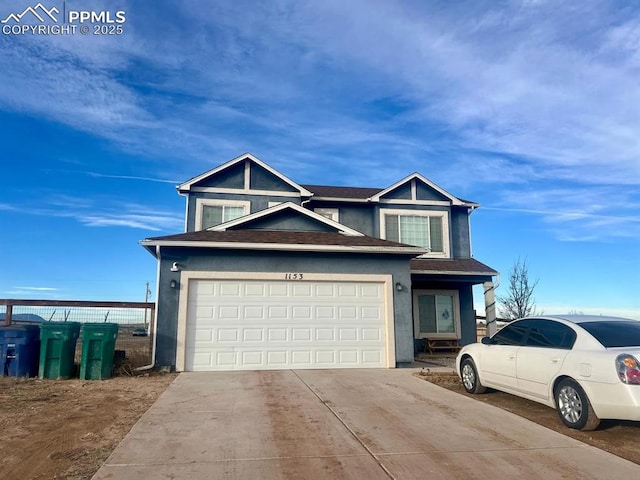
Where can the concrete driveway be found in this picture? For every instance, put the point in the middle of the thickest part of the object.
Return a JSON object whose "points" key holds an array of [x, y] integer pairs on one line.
{"points": [[374, 424]]}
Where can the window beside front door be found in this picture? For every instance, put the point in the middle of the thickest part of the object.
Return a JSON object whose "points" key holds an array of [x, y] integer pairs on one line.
{"points": [[426, 229], [210, 213], [436, 314]]}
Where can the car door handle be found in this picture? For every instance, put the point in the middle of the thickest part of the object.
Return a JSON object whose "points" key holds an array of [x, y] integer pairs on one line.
{"points": [[511, 357], [555, 360]]}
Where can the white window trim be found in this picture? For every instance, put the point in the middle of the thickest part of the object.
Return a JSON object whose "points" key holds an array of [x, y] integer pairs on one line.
{"points": [[456, 314], [334, 212], [420, 213], [207, 202]]}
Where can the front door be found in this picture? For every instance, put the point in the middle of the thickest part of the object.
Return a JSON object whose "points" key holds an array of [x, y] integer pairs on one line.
{"points": [[436, 314]]}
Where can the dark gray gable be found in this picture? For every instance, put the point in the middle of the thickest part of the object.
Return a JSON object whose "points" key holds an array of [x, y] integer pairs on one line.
{"points": [[426, 192], [230, 177], [416, 188], [262, 179], [286, 220], [247, 173], [402, 192], [423, 192]]}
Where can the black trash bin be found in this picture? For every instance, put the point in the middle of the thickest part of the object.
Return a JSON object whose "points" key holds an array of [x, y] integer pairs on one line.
{"points": [[19, 350]]}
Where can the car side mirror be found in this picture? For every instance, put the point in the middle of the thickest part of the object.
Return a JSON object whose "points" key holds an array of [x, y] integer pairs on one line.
{"points": [[485, 341]]}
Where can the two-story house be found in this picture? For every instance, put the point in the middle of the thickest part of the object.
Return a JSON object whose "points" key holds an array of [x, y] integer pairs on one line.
{"points": [[270, 274]]}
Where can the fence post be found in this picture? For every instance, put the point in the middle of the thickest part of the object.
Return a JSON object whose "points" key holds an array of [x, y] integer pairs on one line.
{"points": [[7, 316]]}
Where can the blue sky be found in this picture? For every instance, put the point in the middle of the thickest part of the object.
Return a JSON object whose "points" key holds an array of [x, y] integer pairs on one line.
{"points": [[530, 108]]}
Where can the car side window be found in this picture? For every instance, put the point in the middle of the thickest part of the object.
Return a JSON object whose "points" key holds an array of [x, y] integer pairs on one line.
{"points": [[512, 334], [550, 334]]}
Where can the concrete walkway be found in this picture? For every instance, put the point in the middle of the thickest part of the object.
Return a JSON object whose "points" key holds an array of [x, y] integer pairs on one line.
{"points": [[374, 424]]}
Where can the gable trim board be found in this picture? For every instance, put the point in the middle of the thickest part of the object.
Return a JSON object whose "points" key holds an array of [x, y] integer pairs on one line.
{"points": [[412, 179], [366, 341], [188, 186]]}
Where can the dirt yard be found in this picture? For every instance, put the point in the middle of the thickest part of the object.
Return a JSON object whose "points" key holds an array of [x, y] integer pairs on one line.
{"points": [[619, 438], [66, 429]]}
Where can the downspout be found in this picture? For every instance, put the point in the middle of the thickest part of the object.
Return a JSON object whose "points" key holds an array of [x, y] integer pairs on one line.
{"points": [[155, 320]]}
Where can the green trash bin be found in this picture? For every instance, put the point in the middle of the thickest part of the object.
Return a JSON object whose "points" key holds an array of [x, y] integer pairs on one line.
{"points": [[98, 350], [58, 349]]}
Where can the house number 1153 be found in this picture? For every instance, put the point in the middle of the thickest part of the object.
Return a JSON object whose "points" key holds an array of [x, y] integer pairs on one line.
{"points": [[293, 276]]}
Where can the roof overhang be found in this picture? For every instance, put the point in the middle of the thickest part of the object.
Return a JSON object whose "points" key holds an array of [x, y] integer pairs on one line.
{"points": [[151, 245]]}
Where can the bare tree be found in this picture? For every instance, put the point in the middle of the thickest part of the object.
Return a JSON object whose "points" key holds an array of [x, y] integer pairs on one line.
{"points": [[518, 301]]}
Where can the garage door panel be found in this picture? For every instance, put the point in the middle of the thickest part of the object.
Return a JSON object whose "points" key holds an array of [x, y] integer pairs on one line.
{"points": [[279, 358], [229, 289], [227, 312], [302, 290], [277, 334], [253, 335], [226, 335], [325, 335], [235, 325]]}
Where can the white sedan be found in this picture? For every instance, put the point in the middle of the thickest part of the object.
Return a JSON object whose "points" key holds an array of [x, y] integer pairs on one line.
{"points": [[586, 367]]}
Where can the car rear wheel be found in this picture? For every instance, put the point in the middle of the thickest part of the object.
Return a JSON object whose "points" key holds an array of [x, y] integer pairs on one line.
{"points": [[470, 379], [574, 407]]}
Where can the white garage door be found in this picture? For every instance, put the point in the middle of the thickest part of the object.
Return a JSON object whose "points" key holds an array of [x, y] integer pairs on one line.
{"points": [[273, 324]]}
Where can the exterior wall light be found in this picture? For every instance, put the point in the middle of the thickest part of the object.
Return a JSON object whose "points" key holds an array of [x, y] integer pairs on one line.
{"points": [[173, 283], [175, 267], [399, 286]]}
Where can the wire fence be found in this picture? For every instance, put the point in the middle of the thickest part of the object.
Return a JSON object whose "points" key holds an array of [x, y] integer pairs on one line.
{"points": [[135, 324]]}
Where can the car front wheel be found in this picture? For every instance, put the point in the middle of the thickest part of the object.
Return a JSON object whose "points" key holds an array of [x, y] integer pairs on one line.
{"points": [[470, 379], [574, 407]]}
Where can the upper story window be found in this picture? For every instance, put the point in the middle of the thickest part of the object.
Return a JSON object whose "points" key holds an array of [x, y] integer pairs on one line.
{"points": [[330, 213], [210, 213], [428, 229]]}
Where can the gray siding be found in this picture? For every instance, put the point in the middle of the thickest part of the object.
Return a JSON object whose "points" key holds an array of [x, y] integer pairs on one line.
{"points": [[358, 217], [252, 261], [460, 235]]}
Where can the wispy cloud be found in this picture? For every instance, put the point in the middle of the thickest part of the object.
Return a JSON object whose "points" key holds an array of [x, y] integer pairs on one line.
{"points": [[130, 177], [38, 289], [577, 214], [105, 212]]}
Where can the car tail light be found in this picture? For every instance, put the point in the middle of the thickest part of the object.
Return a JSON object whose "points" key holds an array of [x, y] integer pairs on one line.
{"points": [[628, 369]]}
